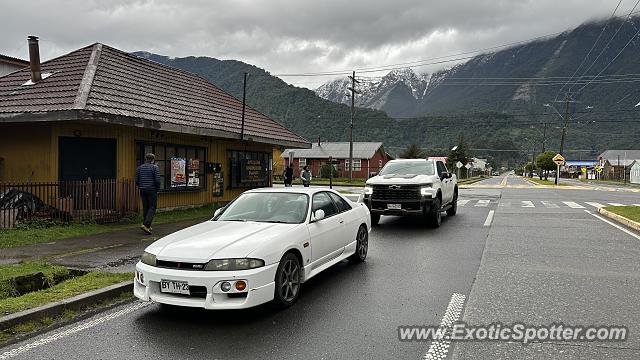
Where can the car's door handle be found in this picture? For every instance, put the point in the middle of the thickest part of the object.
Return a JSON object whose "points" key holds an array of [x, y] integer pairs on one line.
{"points": [[341, 221]]}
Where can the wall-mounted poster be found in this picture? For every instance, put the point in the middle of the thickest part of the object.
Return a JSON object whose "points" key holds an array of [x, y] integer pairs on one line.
{"points": [[178, 172], [194, 173]]}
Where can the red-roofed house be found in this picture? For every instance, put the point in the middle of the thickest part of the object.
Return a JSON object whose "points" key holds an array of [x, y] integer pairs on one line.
{"points": [[95, 112]]}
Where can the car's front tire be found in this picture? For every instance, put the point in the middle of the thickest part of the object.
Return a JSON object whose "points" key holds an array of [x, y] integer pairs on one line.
{"points": [[434, 216], [375, 219], [288, 281], [454, 205], [362, 245]]}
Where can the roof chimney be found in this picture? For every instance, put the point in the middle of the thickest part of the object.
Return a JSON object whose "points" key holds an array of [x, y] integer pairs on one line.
{"points": [[318, 140], [34, 58]]}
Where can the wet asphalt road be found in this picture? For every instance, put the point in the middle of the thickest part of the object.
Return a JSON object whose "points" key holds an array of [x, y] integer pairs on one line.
{"points": [[575, 269]]}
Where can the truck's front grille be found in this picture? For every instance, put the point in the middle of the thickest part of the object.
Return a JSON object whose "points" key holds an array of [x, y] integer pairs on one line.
{"points": [[396, 192]]}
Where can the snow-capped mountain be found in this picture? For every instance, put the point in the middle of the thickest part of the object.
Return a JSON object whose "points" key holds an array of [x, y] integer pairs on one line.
{"points": [[396, 93]]}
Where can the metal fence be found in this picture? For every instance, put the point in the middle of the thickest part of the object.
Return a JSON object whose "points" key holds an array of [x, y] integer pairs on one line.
{"points": [[64, 201]]}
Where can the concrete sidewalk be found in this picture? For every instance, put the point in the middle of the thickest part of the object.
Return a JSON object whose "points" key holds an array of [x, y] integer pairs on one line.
{"points": [[116, 251]]}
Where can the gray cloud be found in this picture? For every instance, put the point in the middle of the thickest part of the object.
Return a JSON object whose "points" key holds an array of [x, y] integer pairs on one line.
{"points": [[291, 36]]}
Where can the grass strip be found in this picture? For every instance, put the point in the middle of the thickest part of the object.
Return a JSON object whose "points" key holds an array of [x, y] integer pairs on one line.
{"points": [[38, 233], [630, 212], [64, 290]]}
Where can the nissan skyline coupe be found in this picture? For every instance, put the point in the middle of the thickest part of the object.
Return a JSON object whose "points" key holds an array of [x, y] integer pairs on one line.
{"points": [[259, 248]]}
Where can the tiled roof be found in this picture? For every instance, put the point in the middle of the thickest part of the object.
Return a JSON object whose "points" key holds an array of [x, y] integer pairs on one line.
{"points": [[104, 80], [337, 150], [13, 60]]}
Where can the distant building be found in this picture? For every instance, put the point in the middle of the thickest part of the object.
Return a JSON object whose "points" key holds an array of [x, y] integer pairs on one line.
{"points": [[368, 158], [478, 164], [573, 169], [634, 173], [616, 164], [10, 64]]}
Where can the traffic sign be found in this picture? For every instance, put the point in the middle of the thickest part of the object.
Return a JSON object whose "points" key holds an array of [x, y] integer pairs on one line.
{"points": [[584, 169], [598, 169], [558, 159], [468, 166], [458, 164]]}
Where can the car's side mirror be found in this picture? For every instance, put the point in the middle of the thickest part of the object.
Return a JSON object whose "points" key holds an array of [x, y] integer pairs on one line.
{"points": [[318, 215], [217, 212], [373, 174], [445, 175]]}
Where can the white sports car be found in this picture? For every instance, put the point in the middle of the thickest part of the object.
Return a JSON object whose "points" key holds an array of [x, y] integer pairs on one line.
{"points": [[260, 247]]}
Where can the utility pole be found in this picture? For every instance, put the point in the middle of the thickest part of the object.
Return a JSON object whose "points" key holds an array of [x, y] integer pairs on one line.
{"points": [[353, 101], [244, 101]]}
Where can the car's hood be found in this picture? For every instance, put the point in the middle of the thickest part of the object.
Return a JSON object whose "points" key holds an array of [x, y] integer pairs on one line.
{"points": [[217, 240], [401, 179]]}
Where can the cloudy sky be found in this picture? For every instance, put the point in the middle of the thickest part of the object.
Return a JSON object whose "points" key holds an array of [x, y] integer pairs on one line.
{"points": [[293, 36]]}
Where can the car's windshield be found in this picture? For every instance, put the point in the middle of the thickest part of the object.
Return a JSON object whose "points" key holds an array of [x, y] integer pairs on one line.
{"points": [[275, 207], [422, 167]]}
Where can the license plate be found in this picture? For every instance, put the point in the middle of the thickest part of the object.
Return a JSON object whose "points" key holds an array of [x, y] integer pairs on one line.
{"points": [[394, 206], [174, 287]]}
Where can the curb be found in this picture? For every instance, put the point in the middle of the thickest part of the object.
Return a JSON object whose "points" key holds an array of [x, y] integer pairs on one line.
{"points": [[74, 303], [621, 219]]}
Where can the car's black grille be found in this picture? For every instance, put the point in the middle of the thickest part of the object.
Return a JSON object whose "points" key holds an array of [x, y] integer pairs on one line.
{"points": [[197, 291], [396, 192], [180, 265]]}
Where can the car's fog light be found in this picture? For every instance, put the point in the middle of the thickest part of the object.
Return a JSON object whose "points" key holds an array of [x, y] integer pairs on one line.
{"points": [[241, 285], [225, 286], [140, 277]]}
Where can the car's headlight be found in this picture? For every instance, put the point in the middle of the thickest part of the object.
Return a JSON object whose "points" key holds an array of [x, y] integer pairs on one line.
{"points": [[368, 190], [148, 258], [426, 189], [233, 264]]}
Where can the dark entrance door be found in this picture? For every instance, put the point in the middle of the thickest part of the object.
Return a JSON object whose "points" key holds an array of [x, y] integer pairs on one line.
{"points": [[84, 158]]}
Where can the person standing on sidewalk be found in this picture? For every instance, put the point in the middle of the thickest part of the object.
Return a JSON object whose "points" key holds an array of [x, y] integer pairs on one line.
{"points": [[288, 176], [148, 181], [306, 176]]}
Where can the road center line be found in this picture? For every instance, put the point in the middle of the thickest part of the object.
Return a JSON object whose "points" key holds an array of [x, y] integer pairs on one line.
{"points": [[439, 348], [62, 334], [489, 219], [619, 227]]}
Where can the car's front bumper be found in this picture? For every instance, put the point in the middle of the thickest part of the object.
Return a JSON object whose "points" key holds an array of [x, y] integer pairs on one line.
{"points": [[418, 206], [259, 290]]}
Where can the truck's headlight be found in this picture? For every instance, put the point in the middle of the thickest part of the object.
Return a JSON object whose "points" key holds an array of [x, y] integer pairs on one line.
{"points": [[148, 258], [233, 264], [426, 189], [368, 190]]}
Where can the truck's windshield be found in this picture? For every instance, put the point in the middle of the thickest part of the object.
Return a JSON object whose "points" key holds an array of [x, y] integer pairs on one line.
{"points": [[418, 167]]}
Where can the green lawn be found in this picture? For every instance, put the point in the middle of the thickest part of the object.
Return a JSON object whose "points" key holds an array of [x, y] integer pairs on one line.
{"points": [[546, 182], [471, 180], [64, 290], [336, 181], [630, 212], [38, 233], [52, 274]]}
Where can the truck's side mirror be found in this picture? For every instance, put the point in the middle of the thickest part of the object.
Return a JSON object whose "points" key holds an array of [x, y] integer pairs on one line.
{"points": [[445, 175], [373, 174]]}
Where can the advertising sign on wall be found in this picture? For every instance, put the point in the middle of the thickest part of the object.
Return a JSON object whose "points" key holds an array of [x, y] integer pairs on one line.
{"points": [[178, 172]]}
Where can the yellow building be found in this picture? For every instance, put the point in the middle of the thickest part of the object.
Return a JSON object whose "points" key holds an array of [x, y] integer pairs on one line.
{"points": [[94, 113]]}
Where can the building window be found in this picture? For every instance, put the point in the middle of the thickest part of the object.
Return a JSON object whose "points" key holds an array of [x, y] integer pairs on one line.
{"points": [[303, 162], [357, 164], [249, 169], [181, 166]]}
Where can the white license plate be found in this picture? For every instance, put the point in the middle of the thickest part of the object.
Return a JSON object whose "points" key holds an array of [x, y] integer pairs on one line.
{"points": [[394, 206], [174, 287]]}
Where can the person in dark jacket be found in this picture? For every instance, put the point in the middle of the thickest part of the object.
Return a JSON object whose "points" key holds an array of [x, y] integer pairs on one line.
{"points": [[288, 176], [306, 176], [148, 181]]}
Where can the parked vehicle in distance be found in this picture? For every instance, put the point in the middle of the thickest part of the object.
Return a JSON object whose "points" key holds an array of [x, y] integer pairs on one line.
{"points": [[412, 187], [260, 247], [496, 173]]}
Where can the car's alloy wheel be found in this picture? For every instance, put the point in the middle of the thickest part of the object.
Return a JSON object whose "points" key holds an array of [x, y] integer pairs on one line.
{"points": [[288, 281], [362, 245]]}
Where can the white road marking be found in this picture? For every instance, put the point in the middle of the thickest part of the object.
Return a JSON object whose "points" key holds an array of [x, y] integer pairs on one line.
{"points": [[573, 205], [483, 203], [504, 204], [594, 204], [527, 204], [71, 331], [619, 227], [616, 204], [489, 218], [439, 348], [462, 203], [550, 204]]}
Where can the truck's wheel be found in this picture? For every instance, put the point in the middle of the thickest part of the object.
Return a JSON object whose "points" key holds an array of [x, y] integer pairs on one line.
{"points": [[375, 219], [434, 217], [454, 205]]}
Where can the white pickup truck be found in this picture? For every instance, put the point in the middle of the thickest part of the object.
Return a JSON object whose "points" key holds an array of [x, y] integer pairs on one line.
{"points": [[412, 187]]}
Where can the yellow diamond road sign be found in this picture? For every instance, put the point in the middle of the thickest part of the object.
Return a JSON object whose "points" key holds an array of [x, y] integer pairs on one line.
{"points": [[558, 159]]}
